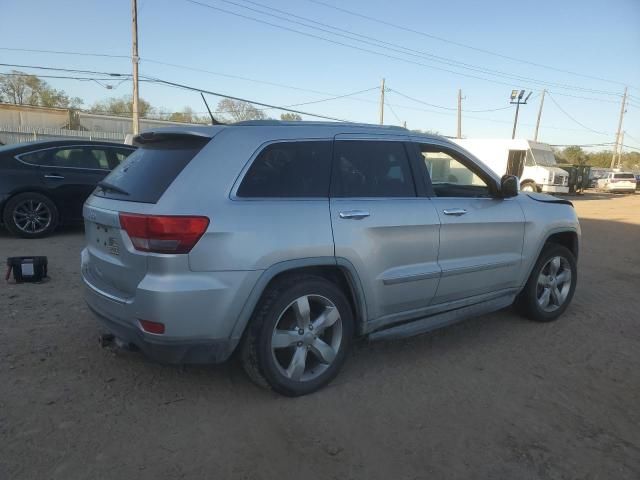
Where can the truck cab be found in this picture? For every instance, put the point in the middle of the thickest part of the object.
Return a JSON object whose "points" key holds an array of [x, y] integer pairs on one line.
{"points": [[532, 162]]}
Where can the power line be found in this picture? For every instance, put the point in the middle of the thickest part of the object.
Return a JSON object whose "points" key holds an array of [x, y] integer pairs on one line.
{"points": [[217, 94], [63, 52], [11, 74], [403, 50], [573, 119], [463, 45], [182, 86], [374, 52], [447, 108]]}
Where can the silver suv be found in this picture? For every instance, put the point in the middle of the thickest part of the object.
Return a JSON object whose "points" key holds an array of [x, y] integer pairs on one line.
{"points": [[284, 241]]}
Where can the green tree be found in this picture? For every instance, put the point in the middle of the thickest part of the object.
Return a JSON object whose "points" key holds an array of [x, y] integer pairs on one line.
{"points": [[574, 155], [238, 111], [23, 89], [122, 106], [290, 117]]}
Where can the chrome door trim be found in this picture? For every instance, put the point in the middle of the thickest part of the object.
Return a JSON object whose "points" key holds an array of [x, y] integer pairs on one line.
{"points": [[17, 157], [478, 268], [411, 278]]}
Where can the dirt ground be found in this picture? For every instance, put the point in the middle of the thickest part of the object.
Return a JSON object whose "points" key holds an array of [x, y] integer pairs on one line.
{"points": [[496, 397]]}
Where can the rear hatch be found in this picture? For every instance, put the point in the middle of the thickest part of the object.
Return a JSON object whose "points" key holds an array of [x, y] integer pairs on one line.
{"points": [[112, 263], [624, 180]]}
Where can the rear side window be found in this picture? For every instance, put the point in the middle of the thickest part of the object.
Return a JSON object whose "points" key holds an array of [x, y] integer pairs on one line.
{"points": [[148, 171], [289, 169], [366, 168]]}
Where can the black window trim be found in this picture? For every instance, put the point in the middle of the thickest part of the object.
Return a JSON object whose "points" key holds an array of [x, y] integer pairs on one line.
{"points": [[459, 156], [59, 147], [233, 194], [417, 188]]}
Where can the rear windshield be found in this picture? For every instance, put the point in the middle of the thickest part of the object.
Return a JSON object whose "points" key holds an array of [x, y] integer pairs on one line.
{"points": [[624, 175], [147, 173]]}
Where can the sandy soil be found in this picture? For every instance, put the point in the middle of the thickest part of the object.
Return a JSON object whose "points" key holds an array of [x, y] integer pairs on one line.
{"points": [[496, 397]]}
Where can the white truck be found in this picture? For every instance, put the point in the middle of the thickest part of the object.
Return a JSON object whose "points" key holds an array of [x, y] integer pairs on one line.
{"points": [[532, 162]]}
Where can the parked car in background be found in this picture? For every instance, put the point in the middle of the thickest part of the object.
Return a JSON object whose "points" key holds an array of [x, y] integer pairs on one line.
{"points": [[618, 182], [45, 183], [287, 239], [637, 181]]}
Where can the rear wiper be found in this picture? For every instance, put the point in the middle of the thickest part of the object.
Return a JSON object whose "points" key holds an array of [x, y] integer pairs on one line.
{"points": [[108, 186]]}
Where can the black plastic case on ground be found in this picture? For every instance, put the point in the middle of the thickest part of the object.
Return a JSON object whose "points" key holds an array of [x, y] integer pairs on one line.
{"points": [[27, 269]]}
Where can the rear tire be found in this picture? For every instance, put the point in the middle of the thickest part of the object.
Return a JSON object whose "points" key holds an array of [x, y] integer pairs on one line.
{"points": [[551, 285], [299, 335], [30, 215]]}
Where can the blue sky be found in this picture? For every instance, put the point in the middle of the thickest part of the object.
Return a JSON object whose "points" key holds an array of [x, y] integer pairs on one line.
{"points": [[587, 37]]}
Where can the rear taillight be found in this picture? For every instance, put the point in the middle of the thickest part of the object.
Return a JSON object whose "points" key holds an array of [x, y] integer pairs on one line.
{"points": [[163, 233]]}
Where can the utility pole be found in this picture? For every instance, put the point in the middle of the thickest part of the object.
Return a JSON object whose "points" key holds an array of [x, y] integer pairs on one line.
{"points": [[382, 102], [134, 61], [516, 98], [535, 137], [620, 149], [616, 152], [459, 113]]}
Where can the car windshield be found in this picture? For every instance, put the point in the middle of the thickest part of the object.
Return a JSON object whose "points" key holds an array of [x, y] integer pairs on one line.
{"points": [[543, 157]]}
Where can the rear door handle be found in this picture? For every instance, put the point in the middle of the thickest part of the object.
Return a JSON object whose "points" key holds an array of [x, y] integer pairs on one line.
{"points": [[454, 211], [354, 214], [54, 176]]}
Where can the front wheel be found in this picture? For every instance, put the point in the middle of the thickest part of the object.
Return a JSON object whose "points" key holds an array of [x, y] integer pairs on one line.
{"points": [[551, 285], [299, 335], [528, 187]]}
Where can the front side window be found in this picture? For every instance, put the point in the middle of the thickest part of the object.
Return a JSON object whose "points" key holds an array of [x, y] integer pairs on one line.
{"points": [[449, 176], [289, 169], [372, 169]]}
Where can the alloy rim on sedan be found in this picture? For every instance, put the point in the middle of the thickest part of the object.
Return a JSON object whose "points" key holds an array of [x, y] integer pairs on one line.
{"points": [[554, 284], [32, 216], [306, 338]]}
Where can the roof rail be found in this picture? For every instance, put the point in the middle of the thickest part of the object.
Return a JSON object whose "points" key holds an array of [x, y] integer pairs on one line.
{"points": [[299, 123]]}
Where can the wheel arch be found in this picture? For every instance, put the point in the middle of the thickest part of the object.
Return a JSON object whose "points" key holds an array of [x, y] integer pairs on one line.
{"points": [[337, 270]]}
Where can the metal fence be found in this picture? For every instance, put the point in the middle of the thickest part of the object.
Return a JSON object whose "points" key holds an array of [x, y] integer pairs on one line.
{"points": [[25, 133]]}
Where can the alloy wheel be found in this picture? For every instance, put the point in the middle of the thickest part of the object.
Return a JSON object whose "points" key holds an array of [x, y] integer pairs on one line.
{"points": [[32, 216], [554, 284], [306, 338]]}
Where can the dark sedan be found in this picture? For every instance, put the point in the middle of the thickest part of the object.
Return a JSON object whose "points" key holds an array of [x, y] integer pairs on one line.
{"points": [[44, 184]]}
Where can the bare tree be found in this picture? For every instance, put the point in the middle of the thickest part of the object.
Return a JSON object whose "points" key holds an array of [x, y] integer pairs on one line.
{"points": [[24, 89], [238, 111]]}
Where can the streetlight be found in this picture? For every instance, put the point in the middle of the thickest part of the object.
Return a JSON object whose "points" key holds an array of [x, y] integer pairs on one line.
{"points": [[516, 98]]}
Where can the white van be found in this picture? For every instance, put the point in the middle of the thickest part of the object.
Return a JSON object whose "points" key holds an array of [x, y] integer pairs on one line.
{"points": [[532, 162]]}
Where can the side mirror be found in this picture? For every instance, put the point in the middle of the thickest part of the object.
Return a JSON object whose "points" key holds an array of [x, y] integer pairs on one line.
{"points": [[509, 186]]}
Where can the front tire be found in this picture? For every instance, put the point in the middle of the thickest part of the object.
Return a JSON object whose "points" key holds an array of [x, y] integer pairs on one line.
{"points": [[30, 215], [528, 187], [551, 285], [299, 335]]}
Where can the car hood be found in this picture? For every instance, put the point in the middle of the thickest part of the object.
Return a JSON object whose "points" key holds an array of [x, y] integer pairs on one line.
{"points": [[544, 198]]}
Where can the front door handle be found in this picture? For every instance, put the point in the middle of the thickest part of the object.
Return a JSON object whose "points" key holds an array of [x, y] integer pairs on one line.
{"points": [[454, 211], [354, 214], [54, 176]]}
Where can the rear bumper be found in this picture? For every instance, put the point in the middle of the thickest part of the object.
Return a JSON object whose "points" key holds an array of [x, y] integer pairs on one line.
{"points": [[616, 188], [166, 351], [199, 311], [554, 189]]}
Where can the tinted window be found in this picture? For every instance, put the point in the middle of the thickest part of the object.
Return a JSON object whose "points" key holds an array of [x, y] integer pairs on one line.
{"points": [[148, 171], [121, 154], [36, 158], [629, 176], [449, 176], [372, 169], [98, 158], [289, 169]]}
